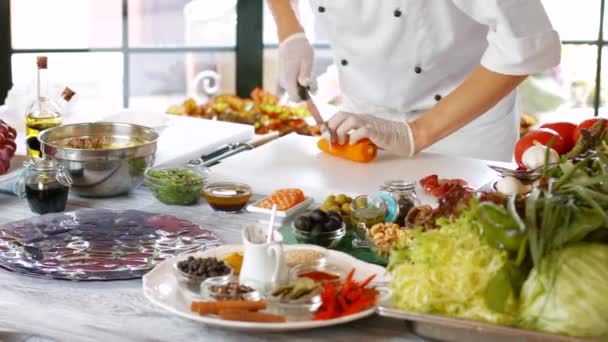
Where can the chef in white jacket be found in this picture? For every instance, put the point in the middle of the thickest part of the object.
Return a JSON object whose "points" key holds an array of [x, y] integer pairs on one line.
{"points": [[433, 75]]}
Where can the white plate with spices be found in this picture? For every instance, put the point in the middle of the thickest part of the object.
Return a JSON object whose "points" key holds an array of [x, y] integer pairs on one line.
{"points": [[161, 288]]}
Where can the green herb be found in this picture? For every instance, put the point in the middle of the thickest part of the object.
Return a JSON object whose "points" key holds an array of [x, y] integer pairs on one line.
{"points": [[176, 186]]}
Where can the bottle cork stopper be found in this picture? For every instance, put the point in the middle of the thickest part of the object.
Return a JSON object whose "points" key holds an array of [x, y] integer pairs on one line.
{"points": [[42, 61], [67, 94]]}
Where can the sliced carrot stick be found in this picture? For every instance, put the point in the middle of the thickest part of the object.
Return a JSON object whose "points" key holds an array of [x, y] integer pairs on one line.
{"points": [[250, 316], [206, 308], [364, 151]]}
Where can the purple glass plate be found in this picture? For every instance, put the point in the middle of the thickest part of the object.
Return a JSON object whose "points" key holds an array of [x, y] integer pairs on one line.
{"points": [[98, 244]]}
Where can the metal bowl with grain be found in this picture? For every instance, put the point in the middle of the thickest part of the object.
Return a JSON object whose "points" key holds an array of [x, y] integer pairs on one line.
{"points": [[104, 158]]}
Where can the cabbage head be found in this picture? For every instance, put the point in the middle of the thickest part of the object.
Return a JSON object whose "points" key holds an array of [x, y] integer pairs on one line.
{"points": [[568, 293]]}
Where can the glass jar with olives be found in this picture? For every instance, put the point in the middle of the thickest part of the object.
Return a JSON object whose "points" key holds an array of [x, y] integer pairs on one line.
{"points": [[401, 195], [319, 228]]}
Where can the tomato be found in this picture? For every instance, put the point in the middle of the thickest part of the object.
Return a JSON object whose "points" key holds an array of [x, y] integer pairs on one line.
{"points": [[427, 179], [3, 129], [565, 130], [543, 136], [442, 189], [587, 125]]}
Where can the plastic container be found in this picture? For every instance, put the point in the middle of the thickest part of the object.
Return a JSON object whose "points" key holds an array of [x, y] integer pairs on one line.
{"points": [[177, 185]]}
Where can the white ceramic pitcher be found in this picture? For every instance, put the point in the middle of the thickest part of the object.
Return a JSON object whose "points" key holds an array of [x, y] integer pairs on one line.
{"points": [[264, 265]]}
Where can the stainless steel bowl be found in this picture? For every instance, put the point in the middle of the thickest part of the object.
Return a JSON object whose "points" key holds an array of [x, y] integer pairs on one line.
{"points": [[102, 172]]}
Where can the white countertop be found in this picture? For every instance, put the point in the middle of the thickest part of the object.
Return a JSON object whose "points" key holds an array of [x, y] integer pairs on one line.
{"points": [[295, 161]]}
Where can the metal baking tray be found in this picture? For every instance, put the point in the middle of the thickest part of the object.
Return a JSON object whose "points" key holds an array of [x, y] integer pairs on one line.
{"points": [[451, 329]]}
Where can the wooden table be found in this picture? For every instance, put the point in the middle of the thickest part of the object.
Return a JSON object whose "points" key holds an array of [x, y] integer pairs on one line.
{"points": [[118, 311]]}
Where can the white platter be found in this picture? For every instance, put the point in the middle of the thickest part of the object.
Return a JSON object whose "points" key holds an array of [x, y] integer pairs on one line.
{"points": [[252, 208], [15, 169], [162, 289]]}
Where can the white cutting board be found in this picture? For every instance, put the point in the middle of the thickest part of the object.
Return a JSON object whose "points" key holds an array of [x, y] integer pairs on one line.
{"points": [[295, 161], [186, 138]]}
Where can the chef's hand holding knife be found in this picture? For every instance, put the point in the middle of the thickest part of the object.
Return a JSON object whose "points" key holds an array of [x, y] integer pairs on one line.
{"points": [[296, 57]]}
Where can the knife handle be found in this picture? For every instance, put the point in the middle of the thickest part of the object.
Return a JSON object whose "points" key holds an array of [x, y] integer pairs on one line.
{"points": [[303, 92]]}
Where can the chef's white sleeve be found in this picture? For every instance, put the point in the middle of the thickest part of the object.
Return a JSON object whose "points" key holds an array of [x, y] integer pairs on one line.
{"points": [[521, 39]]}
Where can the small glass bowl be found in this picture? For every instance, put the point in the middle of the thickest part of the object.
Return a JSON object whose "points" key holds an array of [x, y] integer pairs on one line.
{"points": [[296, 310], [209, 291], [178, 192], [321, 266], [323, 239], [227, 197], [193, 283]]}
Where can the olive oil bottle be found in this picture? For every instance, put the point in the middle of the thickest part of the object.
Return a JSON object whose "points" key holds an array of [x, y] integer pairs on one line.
{"points": [[43, 112]]}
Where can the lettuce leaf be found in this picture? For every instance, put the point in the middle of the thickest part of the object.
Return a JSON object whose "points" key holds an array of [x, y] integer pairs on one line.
{"points": [[447, 271]]}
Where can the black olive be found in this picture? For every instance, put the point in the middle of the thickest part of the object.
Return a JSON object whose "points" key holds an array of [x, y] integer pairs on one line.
{"points": [[316, 229], [319, 216], [303, 223], [332, 224], [335, 214]]}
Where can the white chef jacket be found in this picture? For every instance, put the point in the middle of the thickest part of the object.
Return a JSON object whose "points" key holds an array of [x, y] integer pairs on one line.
{"points": [[399, 57]]}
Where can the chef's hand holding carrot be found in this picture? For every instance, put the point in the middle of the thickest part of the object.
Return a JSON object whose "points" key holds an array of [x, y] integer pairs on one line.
{"points": [[392, 136]]}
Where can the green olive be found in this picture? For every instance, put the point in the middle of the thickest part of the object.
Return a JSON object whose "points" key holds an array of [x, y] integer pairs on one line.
{"points": [[334, 208], [345, 209], [330, 198], [341, 199], [326, 207], [349, 199]]}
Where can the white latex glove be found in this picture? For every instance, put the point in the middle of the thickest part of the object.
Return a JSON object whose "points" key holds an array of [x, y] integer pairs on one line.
{"points": [[295, 64], [393, 136]]}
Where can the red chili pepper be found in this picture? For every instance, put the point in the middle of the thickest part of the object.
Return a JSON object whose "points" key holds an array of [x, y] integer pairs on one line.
{"points": [[368, 280], [346, 298]]}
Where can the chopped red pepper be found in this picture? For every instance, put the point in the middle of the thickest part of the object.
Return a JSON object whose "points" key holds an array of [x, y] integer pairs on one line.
{"points": [[346, 298]]}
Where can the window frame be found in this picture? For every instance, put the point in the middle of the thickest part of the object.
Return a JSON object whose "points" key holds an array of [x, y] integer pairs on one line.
{"points": [[249, 49]]}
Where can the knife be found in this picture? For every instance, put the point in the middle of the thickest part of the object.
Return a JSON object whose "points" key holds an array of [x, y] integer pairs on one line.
{"points": [[304, 94]]}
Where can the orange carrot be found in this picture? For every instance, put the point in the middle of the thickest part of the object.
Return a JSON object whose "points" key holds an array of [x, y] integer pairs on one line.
{"points": [[364, 151], [250, 316], [206, 308]]}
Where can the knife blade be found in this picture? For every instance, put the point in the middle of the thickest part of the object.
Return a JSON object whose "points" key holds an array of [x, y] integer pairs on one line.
{"points": [[304, 93]]}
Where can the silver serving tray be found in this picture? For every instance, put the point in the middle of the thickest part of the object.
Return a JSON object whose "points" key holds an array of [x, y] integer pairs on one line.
{"points": [[451, 329]]}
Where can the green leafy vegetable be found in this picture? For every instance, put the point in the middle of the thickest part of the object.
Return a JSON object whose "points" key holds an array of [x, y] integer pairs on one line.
{"points": [[175, 186], [447, 271], [568, 294]]}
